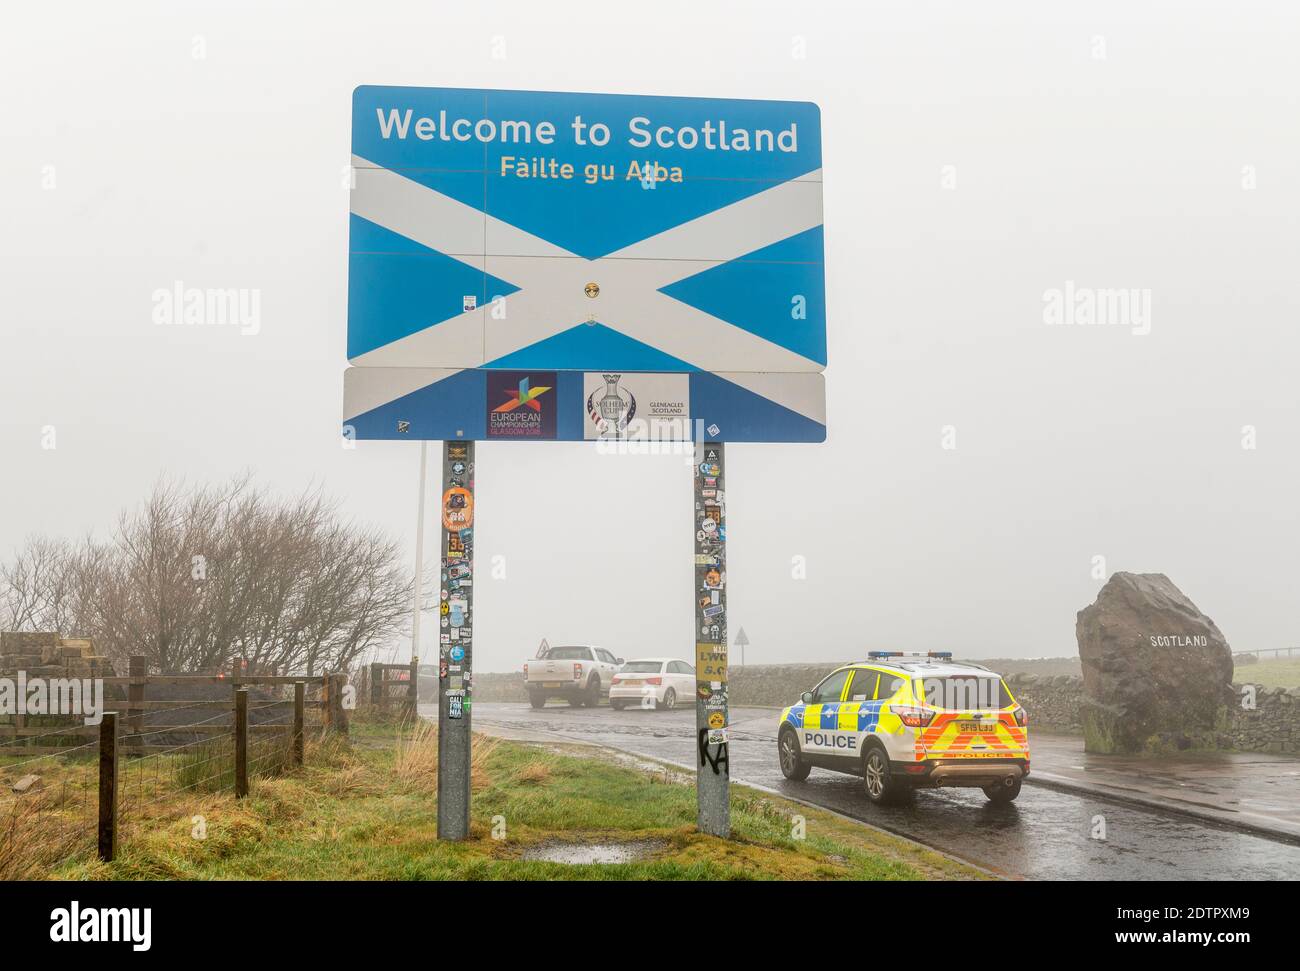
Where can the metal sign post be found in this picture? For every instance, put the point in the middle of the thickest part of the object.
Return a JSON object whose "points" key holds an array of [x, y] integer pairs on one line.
{"points": [[713, 773], [455, 637]]}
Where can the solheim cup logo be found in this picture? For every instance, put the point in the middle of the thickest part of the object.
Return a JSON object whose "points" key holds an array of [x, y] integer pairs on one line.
{"points": [[615, 407]]}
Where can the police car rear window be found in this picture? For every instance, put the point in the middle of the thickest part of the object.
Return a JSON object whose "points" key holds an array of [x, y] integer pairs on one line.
{"points": [[965, 692]]}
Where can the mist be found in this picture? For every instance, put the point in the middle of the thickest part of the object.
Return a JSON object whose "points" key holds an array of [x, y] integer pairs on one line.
{"points": [[1004, 431]]}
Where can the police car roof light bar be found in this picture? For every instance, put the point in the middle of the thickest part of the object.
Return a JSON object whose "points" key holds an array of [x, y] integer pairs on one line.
{"points": [[942, 654]]}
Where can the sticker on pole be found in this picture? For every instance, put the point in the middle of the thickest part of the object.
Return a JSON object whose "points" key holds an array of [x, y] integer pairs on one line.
{"points": [[457, 509]]}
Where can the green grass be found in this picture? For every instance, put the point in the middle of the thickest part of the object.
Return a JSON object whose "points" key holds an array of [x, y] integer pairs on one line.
{"points": [[1097, 732], [1282, 672], [364, 810]]}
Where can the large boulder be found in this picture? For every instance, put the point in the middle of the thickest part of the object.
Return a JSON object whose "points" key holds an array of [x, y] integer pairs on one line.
{"points": [[1157, 673]]}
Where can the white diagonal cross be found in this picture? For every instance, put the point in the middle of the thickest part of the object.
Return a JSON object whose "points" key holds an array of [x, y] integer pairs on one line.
{"points": [[551, 279]]}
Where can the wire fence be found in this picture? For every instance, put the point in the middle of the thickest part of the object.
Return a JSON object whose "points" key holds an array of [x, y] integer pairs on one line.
{"points": [[48, 803], [54, 804]]}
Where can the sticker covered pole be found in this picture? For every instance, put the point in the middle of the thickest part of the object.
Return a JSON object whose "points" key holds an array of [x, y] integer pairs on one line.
{"points": [[713, 771], [455, 636]]}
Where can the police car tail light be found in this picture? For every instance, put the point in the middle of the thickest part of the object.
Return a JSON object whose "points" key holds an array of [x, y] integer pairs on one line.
{"points": [[913, 717], [1022, 716], [655, 680], [577, 672], [616, 679], [525, 670]]}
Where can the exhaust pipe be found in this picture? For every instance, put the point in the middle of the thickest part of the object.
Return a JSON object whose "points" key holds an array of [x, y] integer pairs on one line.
{"points": [[974, 774]]}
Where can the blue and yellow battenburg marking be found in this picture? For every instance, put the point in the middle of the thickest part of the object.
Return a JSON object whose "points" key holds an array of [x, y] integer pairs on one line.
{"points": [[842, 716]]}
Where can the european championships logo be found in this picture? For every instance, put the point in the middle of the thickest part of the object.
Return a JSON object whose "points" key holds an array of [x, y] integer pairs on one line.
{"points": [[523, 414], [527, 397]]}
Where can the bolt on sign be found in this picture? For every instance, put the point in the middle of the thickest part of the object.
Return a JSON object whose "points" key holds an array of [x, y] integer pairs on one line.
{"points": [[546, 266]]}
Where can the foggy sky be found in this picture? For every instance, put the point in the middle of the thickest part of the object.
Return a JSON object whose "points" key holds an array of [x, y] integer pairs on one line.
{"points": [[1108, 147]]}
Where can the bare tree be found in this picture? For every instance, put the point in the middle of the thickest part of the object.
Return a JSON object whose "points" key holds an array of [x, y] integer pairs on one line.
{"points": [[195, 577], [49, 584]]}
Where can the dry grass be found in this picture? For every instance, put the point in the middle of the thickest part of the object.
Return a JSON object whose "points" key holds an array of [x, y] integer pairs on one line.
{"points": [[37, 832], [479, 777], [348, 780], [416, 760], [534, 774]]}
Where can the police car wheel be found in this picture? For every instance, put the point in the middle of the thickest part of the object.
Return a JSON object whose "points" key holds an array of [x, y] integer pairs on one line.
{"points": [[593, 692], [787, 751], [670, 700], [616, 705], [537, 701], [876, 778], [1001, 793]]}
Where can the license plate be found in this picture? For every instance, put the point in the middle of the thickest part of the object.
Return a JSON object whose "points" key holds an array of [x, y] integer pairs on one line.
{"points": [[631, 681], [553, 684], [978, 728]]}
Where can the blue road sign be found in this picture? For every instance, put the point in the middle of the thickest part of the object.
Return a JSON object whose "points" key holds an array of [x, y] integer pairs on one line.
{"points": [[510, 230]]}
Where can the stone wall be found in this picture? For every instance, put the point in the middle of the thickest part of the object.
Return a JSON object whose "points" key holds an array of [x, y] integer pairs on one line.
{"points": [[769, 685], [47, 655], [774, 685], [499, 687], [1274, 725], [1054, 702]]}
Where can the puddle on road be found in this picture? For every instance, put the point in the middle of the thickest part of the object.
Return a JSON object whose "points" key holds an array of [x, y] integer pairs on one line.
{"points": [[625, 851]]}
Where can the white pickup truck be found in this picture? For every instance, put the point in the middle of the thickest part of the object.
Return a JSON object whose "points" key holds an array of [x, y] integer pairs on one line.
{"points": [[578, 674]]}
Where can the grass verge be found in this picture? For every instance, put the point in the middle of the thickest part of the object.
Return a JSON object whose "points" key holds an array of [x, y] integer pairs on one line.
{"points": [[366, 810]]}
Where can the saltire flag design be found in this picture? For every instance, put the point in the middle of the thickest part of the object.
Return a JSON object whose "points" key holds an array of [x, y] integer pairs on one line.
{"points": [[465, 254]]}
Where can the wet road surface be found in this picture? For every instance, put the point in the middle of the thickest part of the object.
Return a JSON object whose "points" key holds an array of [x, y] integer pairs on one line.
{"points": [[1044, 835]]}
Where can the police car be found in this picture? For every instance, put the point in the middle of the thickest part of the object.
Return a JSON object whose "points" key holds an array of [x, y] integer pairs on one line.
{"points": [[909, 721]]}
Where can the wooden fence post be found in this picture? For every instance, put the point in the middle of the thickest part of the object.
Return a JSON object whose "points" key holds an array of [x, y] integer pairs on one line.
{"points": [[412, 689], [299, 693], [138, 669], [108, 786], [376, 683], [338, 714], [326, 706], [241, 742]]}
